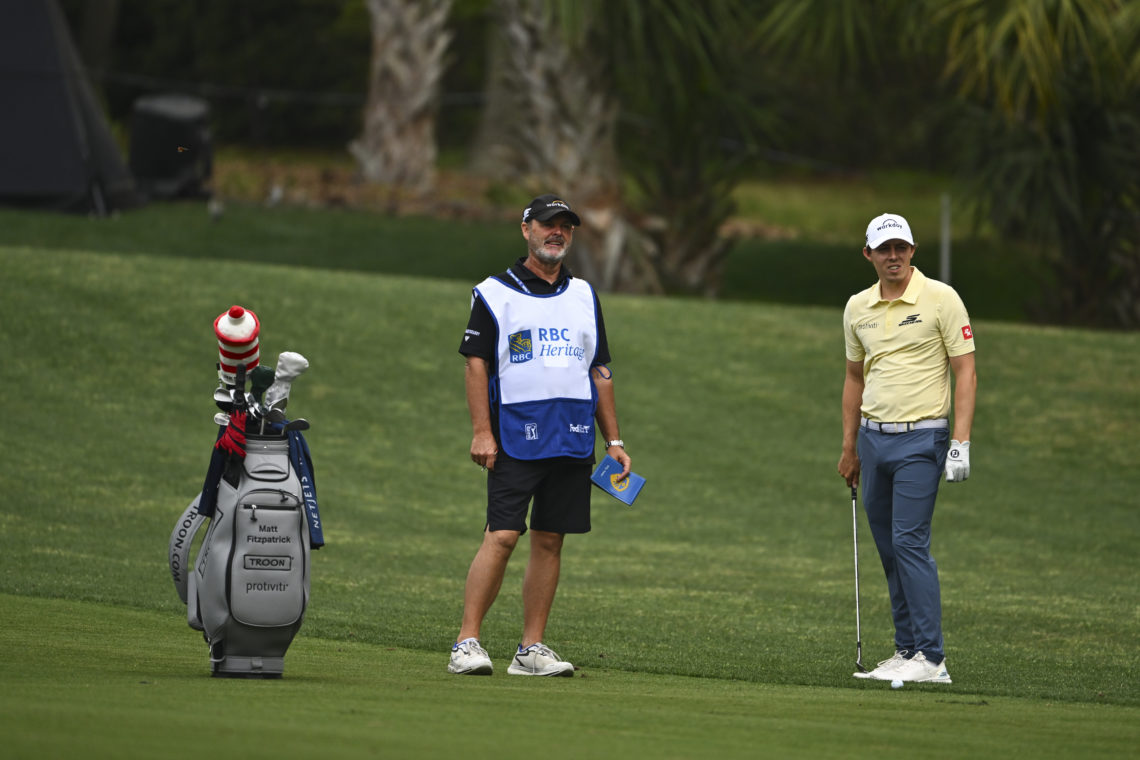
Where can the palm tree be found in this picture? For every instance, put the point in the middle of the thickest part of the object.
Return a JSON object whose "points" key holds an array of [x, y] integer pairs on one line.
{"points": [[1046, 95], [549, 124], [1051, 139], [397, 146], [676, 70]]}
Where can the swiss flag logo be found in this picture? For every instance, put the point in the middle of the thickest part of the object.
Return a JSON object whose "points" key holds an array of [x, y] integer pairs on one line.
{"points": [[967, 333]]}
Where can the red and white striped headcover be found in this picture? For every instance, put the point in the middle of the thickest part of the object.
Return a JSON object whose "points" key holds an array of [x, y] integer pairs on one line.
{"points": [[237, 331]]}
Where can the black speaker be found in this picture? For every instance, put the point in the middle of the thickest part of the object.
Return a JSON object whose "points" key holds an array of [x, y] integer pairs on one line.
{"points": [[171, 147]]}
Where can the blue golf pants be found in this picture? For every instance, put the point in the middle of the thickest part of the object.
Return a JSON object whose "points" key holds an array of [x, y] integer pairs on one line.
{"points": [[900, 474]]}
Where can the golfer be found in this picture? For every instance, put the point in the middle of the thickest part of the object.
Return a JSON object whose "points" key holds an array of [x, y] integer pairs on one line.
{"points": [[537, 390], [904, 336]]}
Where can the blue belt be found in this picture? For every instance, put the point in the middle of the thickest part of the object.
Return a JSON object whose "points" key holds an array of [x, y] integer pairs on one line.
{"points": [[905, 427]]}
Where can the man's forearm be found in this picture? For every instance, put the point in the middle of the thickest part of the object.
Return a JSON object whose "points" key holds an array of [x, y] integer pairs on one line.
{"points": [[965, 395], [478, 402], [606, 412], [852, 401]]}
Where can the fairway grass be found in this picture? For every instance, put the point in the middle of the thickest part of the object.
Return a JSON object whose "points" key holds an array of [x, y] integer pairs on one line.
{"points": [[94, 681], [713, 618]]}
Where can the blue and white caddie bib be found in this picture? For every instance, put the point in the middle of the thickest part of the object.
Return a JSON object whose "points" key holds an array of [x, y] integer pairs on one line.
{"points": [[542, 392]]}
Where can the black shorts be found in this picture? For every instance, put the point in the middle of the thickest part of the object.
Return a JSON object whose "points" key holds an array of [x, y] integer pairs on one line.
{"points": [[560, 488]]}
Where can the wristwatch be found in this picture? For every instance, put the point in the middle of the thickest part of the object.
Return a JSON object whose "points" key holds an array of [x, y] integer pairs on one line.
{"points": [[615, 442]]}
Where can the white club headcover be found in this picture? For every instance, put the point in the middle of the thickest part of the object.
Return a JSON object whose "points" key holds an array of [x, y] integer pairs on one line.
{"points": [[290, 365]]}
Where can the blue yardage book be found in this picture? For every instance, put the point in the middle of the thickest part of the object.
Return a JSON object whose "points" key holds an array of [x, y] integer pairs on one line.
{"points": [[625, 491]]}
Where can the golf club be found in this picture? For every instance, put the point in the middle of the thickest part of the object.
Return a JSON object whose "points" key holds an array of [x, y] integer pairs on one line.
{"points": [[260, 378], [290, 365], [298, 424], [855, 540]]}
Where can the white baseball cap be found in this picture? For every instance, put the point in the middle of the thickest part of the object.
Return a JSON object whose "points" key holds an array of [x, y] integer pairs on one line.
{"points": [[888, 227]]}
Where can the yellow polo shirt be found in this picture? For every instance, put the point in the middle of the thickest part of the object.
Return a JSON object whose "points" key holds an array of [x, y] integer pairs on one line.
{"points": [[905, 346]]}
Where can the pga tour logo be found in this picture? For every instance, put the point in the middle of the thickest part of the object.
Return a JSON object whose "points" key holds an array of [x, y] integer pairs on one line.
{"points": [[531, 431]]}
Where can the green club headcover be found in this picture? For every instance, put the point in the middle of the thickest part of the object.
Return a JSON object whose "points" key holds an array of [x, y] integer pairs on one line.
{"points": [[259, 380]]}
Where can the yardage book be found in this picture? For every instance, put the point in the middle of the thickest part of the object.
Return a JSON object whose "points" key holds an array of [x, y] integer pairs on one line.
{"points": [[626, 490]]}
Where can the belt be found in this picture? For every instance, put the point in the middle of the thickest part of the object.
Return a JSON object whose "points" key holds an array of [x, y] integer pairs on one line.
{"points": [[905, 427]]}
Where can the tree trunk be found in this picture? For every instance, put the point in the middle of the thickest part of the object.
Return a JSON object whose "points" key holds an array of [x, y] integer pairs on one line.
{"points": [[549, 125], [397, 146]]}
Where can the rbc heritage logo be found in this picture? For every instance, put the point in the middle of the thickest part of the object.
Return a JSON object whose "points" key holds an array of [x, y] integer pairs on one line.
{"points": [[522, 348], [532, 431]]}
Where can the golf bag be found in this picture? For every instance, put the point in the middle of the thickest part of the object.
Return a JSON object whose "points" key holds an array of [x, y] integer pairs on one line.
{"points": [[249, 586]]}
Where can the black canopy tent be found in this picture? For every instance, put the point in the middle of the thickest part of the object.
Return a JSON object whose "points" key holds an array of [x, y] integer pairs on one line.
{"points": [[56, 149]]}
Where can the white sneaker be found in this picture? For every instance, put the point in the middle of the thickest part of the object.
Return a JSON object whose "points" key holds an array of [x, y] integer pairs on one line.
{"points": [[539, 660], [468, 658], [918, 669], [884, 670]]}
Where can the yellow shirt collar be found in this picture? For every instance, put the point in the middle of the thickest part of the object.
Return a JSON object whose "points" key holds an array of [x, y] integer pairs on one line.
{"points": [[910, 295]]}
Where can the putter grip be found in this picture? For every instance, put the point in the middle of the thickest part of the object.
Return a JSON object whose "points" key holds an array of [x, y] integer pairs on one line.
{"points": [[239, 389]]}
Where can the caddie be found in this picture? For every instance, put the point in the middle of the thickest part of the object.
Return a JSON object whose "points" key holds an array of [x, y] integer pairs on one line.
{"points": [[904, 337], [538, 391]]}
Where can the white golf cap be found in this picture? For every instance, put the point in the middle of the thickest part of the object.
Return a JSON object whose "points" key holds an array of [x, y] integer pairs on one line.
{"points": [[888, 227]]}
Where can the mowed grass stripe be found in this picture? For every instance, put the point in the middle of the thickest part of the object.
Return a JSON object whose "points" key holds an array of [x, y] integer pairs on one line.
{"points": [[735, 563], [103, 681]]}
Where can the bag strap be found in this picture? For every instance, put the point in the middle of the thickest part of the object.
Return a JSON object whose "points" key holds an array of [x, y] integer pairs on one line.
{"points": [[181, 538], [303, 464]]}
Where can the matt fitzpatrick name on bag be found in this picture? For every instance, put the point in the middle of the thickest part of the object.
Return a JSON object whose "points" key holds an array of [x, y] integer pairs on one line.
{"points": [[268, 539]]}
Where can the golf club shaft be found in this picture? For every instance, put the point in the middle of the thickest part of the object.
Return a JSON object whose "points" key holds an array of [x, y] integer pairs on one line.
{"points": [[855, 543]]}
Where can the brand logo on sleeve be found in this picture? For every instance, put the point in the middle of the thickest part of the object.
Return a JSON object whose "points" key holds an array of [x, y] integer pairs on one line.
{"points": [[967, 333], [521, 346]]}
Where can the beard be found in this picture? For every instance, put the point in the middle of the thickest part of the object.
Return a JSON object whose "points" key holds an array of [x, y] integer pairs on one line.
{"points": [[540, 253]]}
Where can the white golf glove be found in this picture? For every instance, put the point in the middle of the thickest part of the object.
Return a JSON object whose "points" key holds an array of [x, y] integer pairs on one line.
{"points": [[958, 461]]}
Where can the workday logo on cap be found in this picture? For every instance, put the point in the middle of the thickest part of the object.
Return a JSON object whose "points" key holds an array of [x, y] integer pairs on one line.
{"points": [[546, 207], [888, 227]]}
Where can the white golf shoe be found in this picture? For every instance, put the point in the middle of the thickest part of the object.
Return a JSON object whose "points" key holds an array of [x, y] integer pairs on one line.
{"points": [[918, 669], [468, 658], [539, 660], [885, 669]]}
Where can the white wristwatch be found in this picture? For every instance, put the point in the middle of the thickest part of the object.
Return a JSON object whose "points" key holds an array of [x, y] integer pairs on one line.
{"points": [[615, 442]]}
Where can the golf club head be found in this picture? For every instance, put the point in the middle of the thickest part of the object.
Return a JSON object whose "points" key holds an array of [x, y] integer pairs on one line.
{"points": [[221, 419], [224, 399], [290, 366], [298, 424]]}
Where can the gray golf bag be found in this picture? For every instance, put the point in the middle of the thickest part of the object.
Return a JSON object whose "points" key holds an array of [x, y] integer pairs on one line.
{"points": [[249, 586]]}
